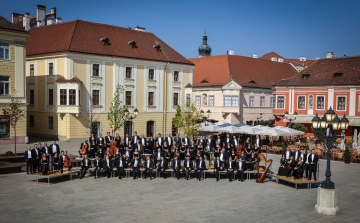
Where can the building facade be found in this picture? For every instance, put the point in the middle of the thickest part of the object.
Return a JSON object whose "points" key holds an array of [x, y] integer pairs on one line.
{"points": [[12, 78], [330, 82], [84, 62], [237, 89]]}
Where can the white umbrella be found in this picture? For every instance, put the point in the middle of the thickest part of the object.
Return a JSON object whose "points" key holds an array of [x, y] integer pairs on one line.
{"points": [[293, 132], [246, 129], [215, 126], [229, 128], [271, 132]]}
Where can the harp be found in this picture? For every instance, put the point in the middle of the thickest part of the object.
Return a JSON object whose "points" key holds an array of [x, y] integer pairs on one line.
{"points": [[264, 169]]}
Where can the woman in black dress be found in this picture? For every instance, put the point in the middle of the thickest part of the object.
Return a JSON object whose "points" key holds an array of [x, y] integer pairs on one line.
{"points": [[248, 151], [247, 142], [298, 169], [190, 154], [252, 161], [167, 156], [93, 149], [44, 164], [56, 162], [157, 146], [101, 147], [217, 149], [182, 151], [193, 147], [233, 155], [283, 169], [194, 139], [228, 149], [100, 154], [131, 148]]}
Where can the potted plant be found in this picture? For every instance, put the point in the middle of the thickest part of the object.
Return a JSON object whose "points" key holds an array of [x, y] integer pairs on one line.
{"points": [[283, 148], [306, 149], [347, 155]]}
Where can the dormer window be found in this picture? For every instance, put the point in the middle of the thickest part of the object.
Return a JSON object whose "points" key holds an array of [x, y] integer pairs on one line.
{"points": [[157, 47], [105, 40], [204, 82], [132, 43], [305, 76], [252, 82], [338, 74]]}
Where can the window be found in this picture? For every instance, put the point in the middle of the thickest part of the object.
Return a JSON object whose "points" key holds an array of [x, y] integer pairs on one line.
{"points": [[305, 76], [197, 100], [32, 121], [151, 98], [4, 51], [128, 98], [211, 100], [150, 128], [51, 122], [176, 75], [31, 69], [341, 103], [301, 102], [234, 101], [4, 85], [128, 128], [72, 97], [174, 129], [280, 102], [51, 68], [176, 98], [96, 70], [32, 97], [272, 101], [262, 101], [227, 101], [187, 99], [128, 72], [63, 96], [320, 102], [51, 96], [251, 104], [151, 74], [96, 98]]}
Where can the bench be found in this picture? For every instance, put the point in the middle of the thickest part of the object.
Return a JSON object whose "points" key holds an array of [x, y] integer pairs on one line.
{"points": [[296, 181]]}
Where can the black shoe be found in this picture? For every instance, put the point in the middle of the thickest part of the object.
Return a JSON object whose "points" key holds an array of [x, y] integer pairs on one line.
{"points": [[217, 180], [119, 178], [187, 178], [242, 180], [199, 179], [150, 178]]}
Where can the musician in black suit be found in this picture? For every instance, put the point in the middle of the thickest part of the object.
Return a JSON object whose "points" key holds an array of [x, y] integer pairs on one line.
{"points": [[107, 166], [97, 167], [143, 140], [137, 146], [135, 165], [54, 148], [177, 139], [218, 166], [313, 160], [120, 164], [230, 169], [135, 137], [118, 141], [235, 142], [151, 142], [148, 165], [162, 167], [296, 154], [29, 156], [227, 139], [108, 138], [240, 169], [36, 158], [169, 140], [186, 140], [292, 165], [127, 139], [222, 156], [210, 142], [127, 156], [307, 163], [92, 139], [157, 156], [201, 140], [160, 140], [84, 143], [258, 143], [100, 140], [188, 165], [288, 153], [219, 140], [200, 167], [148, 149], [176, 167], [85, 165]]}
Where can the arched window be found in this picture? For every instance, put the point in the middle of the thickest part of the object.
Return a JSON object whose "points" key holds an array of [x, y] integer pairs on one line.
{"points": [[128, 128], [150, 128]]}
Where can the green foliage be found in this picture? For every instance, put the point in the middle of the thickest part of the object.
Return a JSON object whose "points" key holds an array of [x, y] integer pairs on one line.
{"points": [[319, 132], [300, 127], [117, 115], [283, 147], [347, 152], [177, 115], [306, 149], [9, 153], [188, 120], [304, 140]]}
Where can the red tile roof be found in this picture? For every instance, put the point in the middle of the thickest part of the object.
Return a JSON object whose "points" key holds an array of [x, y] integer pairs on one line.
{"points": [[322, 71], [246, 71], [8, 26], [188, 86], [295, 62], [62, 79], [84, 37]]}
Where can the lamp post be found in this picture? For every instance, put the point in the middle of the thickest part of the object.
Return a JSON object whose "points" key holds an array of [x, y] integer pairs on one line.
{"points": [[331, 124], [258, 118], [289, 118], [135, 113], [205, 116]]}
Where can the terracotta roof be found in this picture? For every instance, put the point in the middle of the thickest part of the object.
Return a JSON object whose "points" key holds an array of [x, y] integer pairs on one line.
{"points": [[246, 71], [73, 79], [295, 62], [188, 86], [322, 71], [8, 26], [268, 56], [84, 37]]}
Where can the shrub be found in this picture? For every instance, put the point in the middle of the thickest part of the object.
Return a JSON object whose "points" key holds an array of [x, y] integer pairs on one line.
{"points": [[283, 147], [347, 152], [300, 127], [9, 153]]}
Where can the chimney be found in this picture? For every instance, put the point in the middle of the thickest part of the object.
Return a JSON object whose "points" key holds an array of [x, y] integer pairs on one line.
{"points": [[58, 20], [231, 52], [40, 15], [26, 21], [255, 55], [16, 18], [53, 10], [138, 28], [329, 55]]}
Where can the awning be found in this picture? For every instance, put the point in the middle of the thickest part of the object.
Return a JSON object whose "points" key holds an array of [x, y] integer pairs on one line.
{"points": [[353, 121]]}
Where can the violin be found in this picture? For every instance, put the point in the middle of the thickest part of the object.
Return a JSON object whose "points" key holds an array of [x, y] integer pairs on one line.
{"points": [[289, 166], [112, 147], [67, 162], [83, 149]]}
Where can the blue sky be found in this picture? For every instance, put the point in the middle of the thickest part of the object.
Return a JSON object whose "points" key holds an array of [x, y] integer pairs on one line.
{"points": [[290, 28]]}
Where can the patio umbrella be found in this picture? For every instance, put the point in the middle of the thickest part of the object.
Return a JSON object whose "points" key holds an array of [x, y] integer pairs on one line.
{"points": [[293, 132], [247, 129], [214, 127], [228, 128], [271, 132]]}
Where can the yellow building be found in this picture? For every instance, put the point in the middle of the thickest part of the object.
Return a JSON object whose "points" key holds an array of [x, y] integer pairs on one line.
{"points": [[70, 64], [12, 78]]}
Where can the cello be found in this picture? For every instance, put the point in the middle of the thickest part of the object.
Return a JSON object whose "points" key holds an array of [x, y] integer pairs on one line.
{"points": [[67, 162], [83, 149], [112, 147]]}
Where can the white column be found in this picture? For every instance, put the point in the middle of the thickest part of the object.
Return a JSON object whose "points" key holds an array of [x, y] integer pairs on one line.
{"points": [[66, 68], [71, 67], [170, 90], [103, 86], [191, 76], [352, 102], [115, 77], [159, 71], [181, 89], [55, 67], [290, 105], [121, 79], [330, 98]]}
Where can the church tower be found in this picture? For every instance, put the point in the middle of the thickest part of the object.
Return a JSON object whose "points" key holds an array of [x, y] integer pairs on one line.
{"points": [[204, 49]]}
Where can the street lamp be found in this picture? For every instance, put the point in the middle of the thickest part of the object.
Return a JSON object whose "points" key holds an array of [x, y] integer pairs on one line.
{"points": [[291, 119], [205, 117], [135, 113], [331, 123], [258, 118]]}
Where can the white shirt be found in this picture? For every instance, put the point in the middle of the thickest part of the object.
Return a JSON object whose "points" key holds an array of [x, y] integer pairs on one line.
{"points": [[97, 162], [107, 161], [307, 158], [148, 163], [240, 165], [92, 138], [162, 163], [54, 148], [186, 142], [86, 162], [29, 154], [257, 142], [46, 150], [127, 140], [230, 164], [139, 147], [235, 142], [218, 163], [296, 155], [159, 140], [158, 155], [169, 141], [302, 156], [187, 163], [143, 141], [287, 154], [200, 164], [127, 153], [120, 164], [312, 157], [135, 164], [37, 152], [227, 140], [176, 163], [221, 156], [100, 139]]}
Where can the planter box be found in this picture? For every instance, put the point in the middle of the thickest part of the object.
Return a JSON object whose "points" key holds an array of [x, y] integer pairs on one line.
{"points": [[10, 168], [13, 159], [347, 159]]}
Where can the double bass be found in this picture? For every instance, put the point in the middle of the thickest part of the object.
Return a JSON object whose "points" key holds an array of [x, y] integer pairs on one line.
{"points": [[67, 162], [112, 147]]}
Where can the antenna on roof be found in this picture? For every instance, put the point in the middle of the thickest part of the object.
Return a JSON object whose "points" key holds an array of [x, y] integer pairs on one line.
{"points": [[227, 51], [205, 33], [231, 76]]}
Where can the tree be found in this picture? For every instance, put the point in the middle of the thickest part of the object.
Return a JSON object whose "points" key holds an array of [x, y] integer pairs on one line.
{"points": [[15, 113], [117, 114], [89, 118], [177, 116], [300, 127], [319, 132], [188, 120]]}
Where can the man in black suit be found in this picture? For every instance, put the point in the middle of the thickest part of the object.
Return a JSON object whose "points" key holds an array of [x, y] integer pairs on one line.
{"points": [[97, 166], [120, 166], [227, 139], [107, 166], [235, 142], [148, 165], [218, 166], [54, 148], [313, 160], [151, 142], [296, 154], [201, 140], [157, 156], [84, 143], [108, 138], [258, 143], [127, 156], [135, 165], [230, 169], [176, 167], [127, 139], [288, 153], [135, 137], [36, 158], [307, 163], [222, 156], [219, 141], [188, 164], [162, 167], [292, 165], [100, 139], [210, 142], [92, 139], [160, 140], [29, 156], [177, 139], [186, 140], [200, 167], [169, 140], [137, 145], [240, 169], [85, 165], [143, 140]]}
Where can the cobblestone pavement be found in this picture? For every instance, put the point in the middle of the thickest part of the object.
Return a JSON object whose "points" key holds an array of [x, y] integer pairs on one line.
{"points": [[171, 200]]}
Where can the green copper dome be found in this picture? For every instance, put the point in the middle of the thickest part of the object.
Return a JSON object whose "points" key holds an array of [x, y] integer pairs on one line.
{"points": [[204, 49]]}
